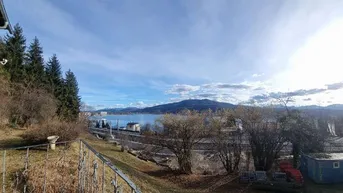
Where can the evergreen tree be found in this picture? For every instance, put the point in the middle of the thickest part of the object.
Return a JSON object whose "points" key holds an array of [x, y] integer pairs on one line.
{"points": [[14, 52], [35, 65], [54, 76], [71, 101], [55, 80]]}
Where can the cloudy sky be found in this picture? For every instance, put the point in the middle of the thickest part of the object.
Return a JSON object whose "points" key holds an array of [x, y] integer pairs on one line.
{"points": [[142, 53]]}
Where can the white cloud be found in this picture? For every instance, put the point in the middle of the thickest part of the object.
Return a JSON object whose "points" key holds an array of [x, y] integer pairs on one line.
{"points": [[218, 42], [182, 89], [225, 86], [257, 75]]}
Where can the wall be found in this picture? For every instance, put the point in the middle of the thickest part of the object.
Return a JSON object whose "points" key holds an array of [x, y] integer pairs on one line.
{"points": [[330, 174], [322, 171]]}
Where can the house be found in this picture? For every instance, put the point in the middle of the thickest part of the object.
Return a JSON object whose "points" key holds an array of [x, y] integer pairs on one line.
{"points": [[103, 113], [133, 127], [323, 168]]}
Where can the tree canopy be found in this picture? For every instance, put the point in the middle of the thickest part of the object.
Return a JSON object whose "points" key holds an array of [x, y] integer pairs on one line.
{"points": [[36, 85]]}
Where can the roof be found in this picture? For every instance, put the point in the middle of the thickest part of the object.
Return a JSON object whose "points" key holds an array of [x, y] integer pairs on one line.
{"points": [[4, 21], [133, 123], [326, 156]]}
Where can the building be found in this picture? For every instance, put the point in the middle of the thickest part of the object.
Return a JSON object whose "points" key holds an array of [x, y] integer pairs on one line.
{"points": [[133, 127], [323, 168], [4, 21], [103, 113]]}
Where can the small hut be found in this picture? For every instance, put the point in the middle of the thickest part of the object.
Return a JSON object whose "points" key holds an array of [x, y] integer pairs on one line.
{"points": [[323, 168]]}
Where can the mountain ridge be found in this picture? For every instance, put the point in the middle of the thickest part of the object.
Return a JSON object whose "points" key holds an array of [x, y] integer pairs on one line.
{"points": [[202, 104]]}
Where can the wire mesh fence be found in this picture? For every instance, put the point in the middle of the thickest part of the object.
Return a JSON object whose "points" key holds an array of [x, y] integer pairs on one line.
{"points": [[74, 166]]}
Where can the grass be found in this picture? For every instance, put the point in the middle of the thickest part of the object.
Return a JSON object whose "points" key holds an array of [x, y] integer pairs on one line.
{"points": [[148, 176], [33, 178]]}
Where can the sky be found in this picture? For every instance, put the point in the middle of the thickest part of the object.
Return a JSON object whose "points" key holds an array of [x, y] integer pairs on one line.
{"points": [[144, 53]]}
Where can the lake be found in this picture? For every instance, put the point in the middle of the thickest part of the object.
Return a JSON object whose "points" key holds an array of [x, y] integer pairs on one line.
{"points": [[142, 119]]}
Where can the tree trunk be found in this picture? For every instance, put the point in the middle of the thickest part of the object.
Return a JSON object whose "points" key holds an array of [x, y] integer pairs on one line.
{"points": [[296, 153], [185, 163]]}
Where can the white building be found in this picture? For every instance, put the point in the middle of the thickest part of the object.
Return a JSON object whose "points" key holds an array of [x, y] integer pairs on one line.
{"points": [[103, 113], [133, 127]]}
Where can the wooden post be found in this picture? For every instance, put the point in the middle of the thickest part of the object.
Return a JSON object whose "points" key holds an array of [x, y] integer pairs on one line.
{"points": [[4, 172], [46, 167]]}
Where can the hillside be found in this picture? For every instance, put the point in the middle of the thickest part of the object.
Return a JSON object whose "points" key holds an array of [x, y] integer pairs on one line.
{"points": [[205, 104], [198, 105]]}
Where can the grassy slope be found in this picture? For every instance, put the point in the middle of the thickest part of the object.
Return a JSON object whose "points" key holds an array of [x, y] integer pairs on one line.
{"points": [[152, 178], [146, 175], [140, 172]]}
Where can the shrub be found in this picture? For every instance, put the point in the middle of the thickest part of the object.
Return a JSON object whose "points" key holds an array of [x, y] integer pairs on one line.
{"points": [[4, 99], [31, 106], [65, 130]]}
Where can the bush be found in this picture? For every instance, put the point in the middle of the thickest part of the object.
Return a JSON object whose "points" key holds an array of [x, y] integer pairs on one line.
{"points": [[65, 130], [30, 106], [4, 99]]}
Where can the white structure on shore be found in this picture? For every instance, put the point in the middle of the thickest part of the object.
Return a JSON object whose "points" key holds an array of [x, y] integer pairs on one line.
{"points": [[103, 113], [133, 127]]}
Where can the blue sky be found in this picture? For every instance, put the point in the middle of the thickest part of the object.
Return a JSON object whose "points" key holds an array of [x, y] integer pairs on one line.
{"points": [[143, 53]]}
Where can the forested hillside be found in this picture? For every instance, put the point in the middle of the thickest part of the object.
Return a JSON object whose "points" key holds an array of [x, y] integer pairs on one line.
{"points": [[33, 89]]}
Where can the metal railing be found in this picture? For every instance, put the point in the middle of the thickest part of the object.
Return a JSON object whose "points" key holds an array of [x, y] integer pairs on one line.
{"points": [[74, 166]]}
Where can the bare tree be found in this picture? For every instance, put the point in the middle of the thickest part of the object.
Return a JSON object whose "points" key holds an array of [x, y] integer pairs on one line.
{"points": [[227, 139], [300, 131], [31, 106], [147, 129], [264, 134], [179, 133]]}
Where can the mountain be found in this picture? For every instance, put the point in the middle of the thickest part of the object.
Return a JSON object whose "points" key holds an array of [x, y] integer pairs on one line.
{"points": [[205, 104], [335, 107], [193, 104]]}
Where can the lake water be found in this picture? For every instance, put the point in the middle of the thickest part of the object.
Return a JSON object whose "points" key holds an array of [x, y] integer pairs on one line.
{"points": [[142, 119]]}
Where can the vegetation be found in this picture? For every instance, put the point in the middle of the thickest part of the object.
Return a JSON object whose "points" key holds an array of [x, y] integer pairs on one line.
{"points": [[302, 134], [267, 131], [227, 139], [265, 137], [34, 92], [180, 134], [66, 131]]}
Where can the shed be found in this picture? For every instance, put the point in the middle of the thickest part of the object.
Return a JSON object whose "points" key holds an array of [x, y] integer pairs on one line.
{"points": [[133, 127], [323, 168]]}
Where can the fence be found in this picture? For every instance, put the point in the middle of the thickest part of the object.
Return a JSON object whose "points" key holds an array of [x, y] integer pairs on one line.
{"points": [[74, 166]]}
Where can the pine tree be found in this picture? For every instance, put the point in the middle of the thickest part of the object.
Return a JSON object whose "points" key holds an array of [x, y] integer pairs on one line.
{"points": [[55, 80], [71, 100], [54, 75], [14, 52], [35, 74]]}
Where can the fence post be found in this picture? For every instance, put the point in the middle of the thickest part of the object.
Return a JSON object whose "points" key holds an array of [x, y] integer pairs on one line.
{"points": [[79, 168], [95, 176], [4, 172], [103, 177], [46, 165], [26, 166], [87, 170], [63, 163], [83, 171]]}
